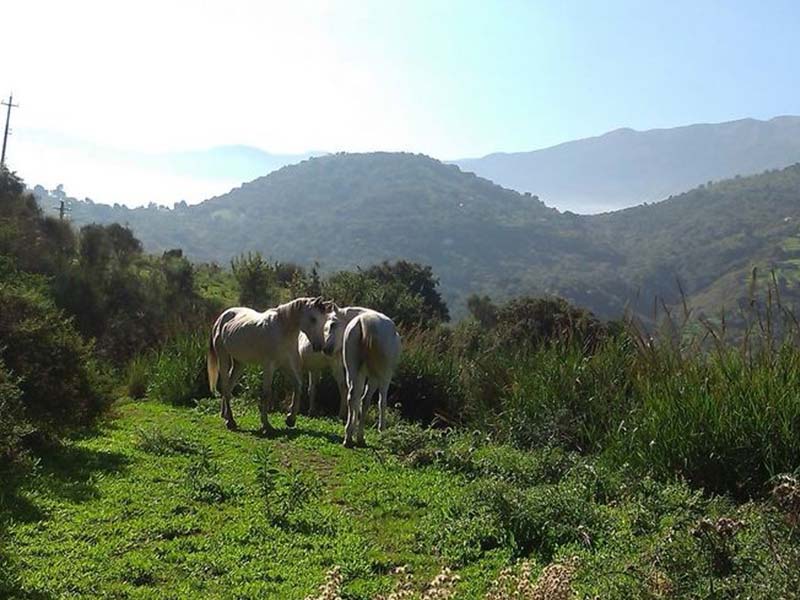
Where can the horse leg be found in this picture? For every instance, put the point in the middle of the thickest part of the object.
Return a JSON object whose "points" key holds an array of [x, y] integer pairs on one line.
{"points": [[362, 417], [266, 394], [339, 376], [297, 380], [382, 395], [225, 385], [312, 393], [236, 373], [355, 390]]}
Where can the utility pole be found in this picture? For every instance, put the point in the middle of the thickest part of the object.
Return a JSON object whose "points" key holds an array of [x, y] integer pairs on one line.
{"points": [[10, 104]]}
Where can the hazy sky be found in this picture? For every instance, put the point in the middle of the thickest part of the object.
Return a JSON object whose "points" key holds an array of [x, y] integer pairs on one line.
{"points": [[102, 83]]}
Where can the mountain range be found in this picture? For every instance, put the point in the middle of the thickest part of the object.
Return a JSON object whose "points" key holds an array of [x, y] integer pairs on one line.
{"points": [[624, 167]]}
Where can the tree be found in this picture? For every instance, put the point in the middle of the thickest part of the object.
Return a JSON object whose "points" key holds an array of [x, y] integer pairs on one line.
{"points": [[418, 280], [95, 246], [537, 321], [392, 298], [482, 310], [256, 278], [124, 244]]}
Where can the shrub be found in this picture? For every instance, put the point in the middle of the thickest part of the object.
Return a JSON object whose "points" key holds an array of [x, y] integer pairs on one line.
{"points": [[12, 419], [62, 385], [256, 279], [497, 514], [557, 395], [414, 444]]}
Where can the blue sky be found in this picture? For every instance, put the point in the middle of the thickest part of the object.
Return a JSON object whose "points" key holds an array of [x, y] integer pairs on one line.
{"points": [[98, 80]]}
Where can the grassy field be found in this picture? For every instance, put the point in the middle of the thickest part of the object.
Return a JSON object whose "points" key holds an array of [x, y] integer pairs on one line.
{"points": [[163, 502]]}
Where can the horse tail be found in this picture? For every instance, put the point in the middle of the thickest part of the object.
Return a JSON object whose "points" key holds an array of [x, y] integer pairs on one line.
{"points": [[212, 363]]}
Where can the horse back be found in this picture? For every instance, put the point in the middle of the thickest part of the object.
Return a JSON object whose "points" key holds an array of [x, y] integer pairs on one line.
{"points": [[251, 336]]}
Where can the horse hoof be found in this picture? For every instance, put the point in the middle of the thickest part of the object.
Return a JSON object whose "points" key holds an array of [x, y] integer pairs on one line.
{"points": [[266, 431], [291, 420], [348, 444], [231, 425], [361, 444]]}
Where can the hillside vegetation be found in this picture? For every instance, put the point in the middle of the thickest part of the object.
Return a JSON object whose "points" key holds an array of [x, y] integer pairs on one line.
{"points": [[352, 210], [625, 167], [531, 445]]}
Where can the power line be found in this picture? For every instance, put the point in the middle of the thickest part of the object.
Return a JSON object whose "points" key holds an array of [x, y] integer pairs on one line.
{"points": [[10, 104]]}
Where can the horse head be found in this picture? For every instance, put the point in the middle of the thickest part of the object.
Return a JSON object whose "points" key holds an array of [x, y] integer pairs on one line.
{"points": [[313, 318], [333, 331]]}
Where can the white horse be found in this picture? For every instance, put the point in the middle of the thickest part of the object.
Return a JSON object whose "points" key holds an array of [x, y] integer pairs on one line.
{"points": [[244, 336], [370, 348], [314, 363]]}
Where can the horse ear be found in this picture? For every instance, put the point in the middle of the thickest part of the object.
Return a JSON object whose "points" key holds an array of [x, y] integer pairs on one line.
{"points": [[330, 306]]}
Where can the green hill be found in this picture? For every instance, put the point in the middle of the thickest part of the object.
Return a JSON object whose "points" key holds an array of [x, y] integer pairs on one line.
{"points": [[348, 210]]}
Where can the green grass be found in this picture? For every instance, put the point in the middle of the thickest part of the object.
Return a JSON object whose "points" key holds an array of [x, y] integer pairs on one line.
{"points": [[164, 502]]}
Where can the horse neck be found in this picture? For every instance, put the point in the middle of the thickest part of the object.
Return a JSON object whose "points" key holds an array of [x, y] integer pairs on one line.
{"points": [[289, 313]]}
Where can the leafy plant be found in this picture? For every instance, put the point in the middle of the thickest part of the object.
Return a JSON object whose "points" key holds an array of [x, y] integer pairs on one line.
{"points": [[202, 479]]}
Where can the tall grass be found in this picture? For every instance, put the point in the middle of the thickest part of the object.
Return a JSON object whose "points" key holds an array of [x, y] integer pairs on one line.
{"points": [[177, 374], [428, 379], [723, 421], [690, 400]]}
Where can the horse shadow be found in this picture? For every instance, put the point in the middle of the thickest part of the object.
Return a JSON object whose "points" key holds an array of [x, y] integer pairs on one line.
{"points": [[65, 471]]}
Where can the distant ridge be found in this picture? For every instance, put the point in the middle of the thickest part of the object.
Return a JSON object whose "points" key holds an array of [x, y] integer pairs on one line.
{"points": [[625, 167]]}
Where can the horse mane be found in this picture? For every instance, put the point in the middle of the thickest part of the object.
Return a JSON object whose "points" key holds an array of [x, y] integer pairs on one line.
{"points": [[290, 311]]}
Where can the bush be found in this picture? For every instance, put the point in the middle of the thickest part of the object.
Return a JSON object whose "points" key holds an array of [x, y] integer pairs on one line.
{"points": [[12, 419], [559, 396], [62, 385], [495, 514], [178, 374]]}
